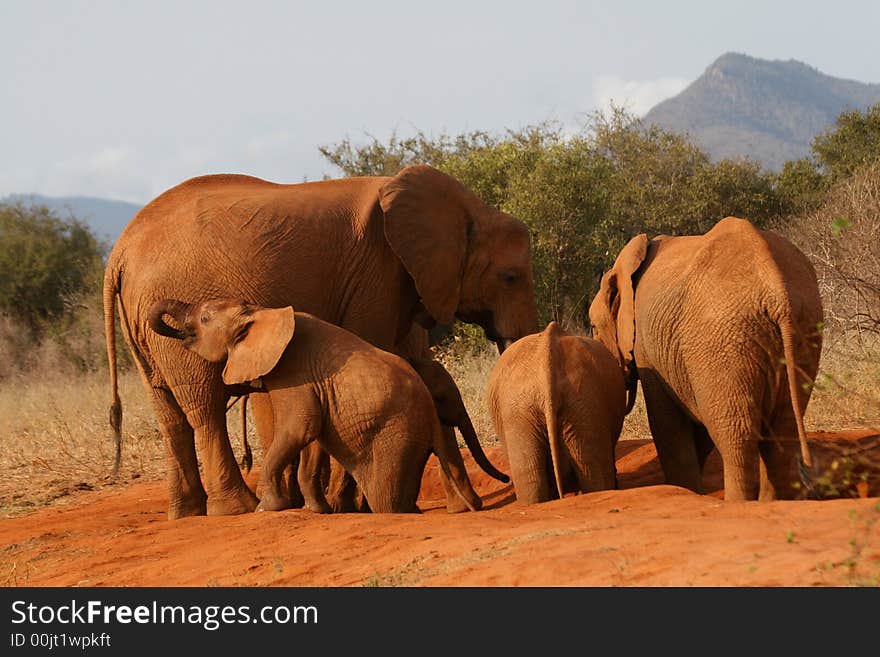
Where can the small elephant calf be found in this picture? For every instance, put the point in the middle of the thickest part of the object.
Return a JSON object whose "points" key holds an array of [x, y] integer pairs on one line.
{"points": [[366, 407], [557, 403]]}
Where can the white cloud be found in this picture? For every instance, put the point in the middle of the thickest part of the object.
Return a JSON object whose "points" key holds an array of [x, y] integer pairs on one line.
{"points": [[635, 96]]}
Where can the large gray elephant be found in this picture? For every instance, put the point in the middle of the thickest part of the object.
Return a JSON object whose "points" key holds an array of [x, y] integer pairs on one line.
{"points": [[372, 255], [724, 332]]}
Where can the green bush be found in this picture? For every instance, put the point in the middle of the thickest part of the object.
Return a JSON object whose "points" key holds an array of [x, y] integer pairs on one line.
{"points": [[50, 292], [853, 142], [47, 262]]}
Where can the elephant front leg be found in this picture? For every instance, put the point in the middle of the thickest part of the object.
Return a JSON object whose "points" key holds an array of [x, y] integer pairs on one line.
{"points": [[454, 503], [459, 491], [297, 425]]}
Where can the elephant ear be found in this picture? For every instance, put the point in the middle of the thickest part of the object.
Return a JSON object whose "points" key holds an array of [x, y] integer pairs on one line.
{"points": [[613, 310], [262, 338], [427, 224]]}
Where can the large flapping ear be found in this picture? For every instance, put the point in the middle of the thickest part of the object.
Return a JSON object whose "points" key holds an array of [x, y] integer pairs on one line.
{"points": [[427, 224], [262, 339], [628, 262]]}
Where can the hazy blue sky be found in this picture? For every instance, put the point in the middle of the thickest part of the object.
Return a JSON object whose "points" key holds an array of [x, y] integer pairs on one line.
{"points": [[125, 99]]}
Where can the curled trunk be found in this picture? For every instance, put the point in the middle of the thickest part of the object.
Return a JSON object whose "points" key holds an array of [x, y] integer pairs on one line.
{"points": [[173, 308]]}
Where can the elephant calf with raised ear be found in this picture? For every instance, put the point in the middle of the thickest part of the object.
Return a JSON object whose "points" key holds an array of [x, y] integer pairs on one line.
{"points": [[557, 403], [364, 406]]}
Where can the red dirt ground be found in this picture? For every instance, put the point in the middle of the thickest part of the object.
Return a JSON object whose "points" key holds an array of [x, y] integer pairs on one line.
{"points": [[646, 534]]}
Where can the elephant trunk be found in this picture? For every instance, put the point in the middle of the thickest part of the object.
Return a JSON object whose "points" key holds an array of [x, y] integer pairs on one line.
{"points": [[469, 434], [176, 309]]}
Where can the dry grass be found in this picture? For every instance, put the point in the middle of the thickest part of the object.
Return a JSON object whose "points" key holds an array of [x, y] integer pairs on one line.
{"points": [[55, 437], [847, 394]]}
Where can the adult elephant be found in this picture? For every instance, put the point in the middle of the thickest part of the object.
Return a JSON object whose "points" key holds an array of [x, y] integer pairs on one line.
{"points": [[723, 331], [372, 255]]}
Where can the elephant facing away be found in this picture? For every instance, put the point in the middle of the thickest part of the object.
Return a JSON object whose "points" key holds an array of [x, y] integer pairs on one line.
{"points": [[315, 473], [557, 403], [724, 332], [366, 407], [374, 255]]}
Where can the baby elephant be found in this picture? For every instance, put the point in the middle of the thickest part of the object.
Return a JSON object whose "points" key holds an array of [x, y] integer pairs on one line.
{"points": [[557, 403], [366, 407]]}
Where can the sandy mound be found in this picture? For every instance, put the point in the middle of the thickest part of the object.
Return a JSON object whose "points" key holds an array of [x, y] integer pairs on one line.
{"points": [[646, 534]]}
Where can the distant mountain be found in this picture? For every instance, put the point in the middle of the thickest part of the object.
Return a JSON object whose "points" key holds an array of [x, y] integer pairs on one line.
{"points": [[105, 217], [769, 111]]}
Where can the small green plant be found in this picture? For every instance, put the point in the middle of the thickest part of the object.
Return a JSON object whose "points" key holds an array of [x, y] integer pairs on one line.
{"points": [[839, 225]]}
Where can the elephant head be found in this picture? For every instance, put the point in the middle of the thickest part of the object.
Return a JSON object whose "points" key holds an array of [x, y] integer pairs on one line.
{"points": [[612, 312], [467, 260], [249, 338]]}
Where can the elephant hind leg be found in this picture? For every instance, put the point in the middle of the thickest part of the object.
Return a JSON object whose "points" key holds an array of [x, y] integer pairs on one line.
{"points": [[703, 443], [528, 454], [673, 433], [342, 490], [314, 463], [186, 494], [780, 454], [228, 494], [736, 432], [391, 484]]}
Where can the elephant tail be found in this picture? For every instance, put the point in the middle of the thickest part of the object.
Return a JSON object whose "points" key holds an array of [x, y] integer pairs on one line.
{"points": [[631, 392], [247, 458], [551, 400], [786, 328], [110, 292]]}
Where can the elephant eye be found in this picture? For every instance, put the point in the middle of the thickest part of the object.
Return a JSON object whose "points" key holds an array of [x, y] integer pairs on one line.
{"points": [[205, 319], [509, 277]]}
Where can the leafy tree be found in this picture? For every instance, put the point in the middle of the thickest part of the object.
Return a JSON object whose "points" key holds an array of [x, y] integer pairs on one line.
{"points": [[801, 186], [45, 262], [854, 141]]}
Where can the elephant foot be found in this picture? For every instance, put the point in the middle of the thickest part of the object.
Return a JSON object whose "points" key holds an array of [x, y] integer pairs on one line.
{"points": [[457, 505], [243, 501], [185, 508], [318, 506], [273, 503], [177, 511]]}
